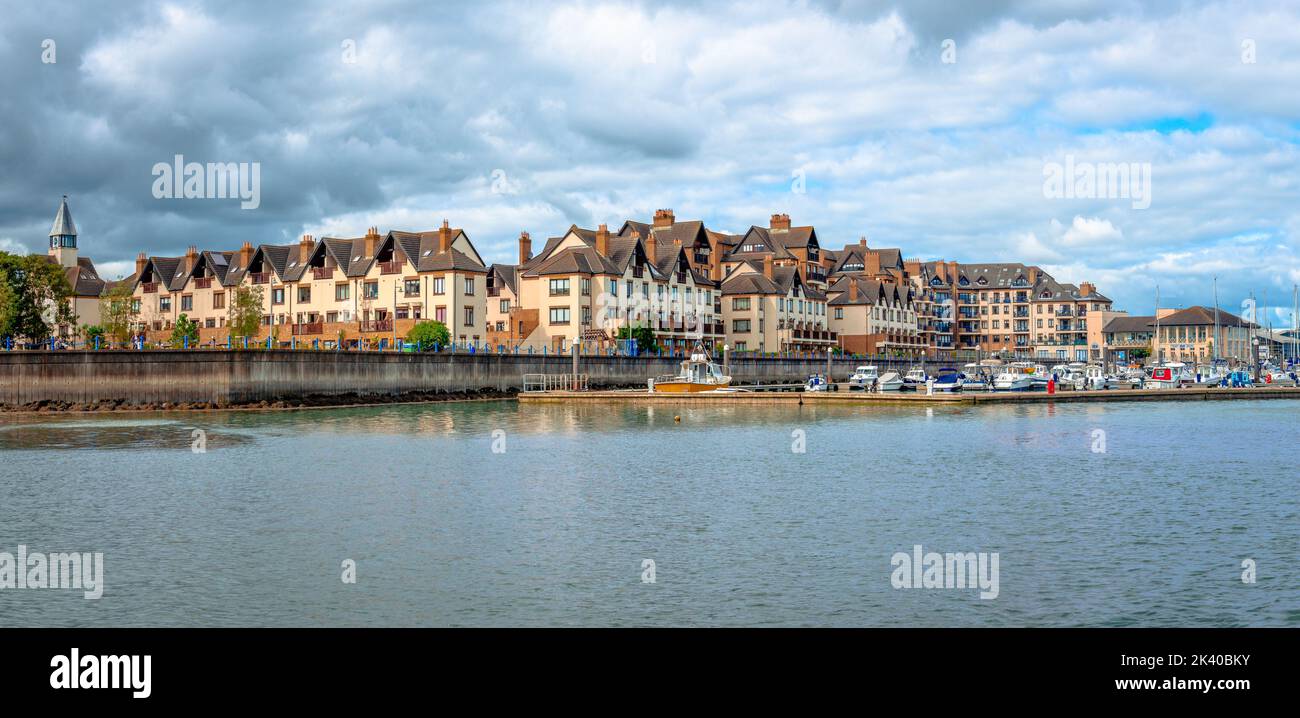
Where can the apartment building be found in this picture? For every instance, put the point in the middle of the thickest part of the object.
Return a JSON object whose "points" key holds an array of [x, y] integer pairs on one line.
{"points": [[771, 308], [1124, 335], [587, 285], [369, 288], [1189, 335], [871, 316]]}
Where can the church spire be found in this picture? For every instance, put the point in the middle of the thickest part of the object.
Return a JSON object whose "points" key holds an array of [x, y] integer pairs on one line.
{"points": [[63, 236]]}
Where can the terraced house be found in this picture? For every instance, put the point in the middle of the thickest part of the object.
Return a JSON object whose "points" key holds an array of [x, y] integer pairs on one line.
{"points": [[770, 308], [369, 288]]}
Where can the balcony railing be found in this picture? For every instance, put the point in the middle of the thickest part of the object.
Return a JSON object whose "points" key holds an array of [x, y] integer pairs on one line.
{"points": [[260, 277], [309, 328], [377, 325], [150, 287], [202, 282], [322, 272], [393, 267]]}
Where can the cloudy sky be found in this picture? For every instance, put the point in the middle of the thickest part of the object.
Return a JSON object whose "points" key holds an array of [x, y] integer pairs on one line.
{"points": [[929, 126]]}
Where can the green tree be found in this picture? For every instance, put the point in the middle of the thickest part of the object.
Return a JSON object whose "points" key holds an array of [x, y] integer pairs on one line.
{"points": [[644, 336], [426, 334], [185, 328], [92, 332], [36, 297], [245, 314], [117, 312]]}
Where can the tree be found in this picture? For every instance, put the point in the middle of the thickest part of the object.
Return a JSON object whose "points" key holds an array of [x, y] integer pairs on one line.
{"points": [[426, 334], [185, 328], [644, 336], [93, 332], [245, 314], [117, 312], [36, 297]]}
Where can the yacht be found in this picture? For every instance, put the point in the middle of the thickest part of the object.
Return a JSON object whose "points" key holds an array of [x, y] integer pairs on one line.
{"points": [[1016, 376], [948, 379], [863, 377], [1169, 375], [914, 379]]}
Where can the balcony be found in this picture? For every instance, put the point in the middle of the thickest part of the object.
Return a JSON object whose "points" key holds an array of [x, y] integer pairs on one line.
{"points": [[260, 277], [638, 271], [1064, 312], [322, 272], [393, 267], [150, 287], [1021, 312], [415, 293], [202, 282], [308, 328]]}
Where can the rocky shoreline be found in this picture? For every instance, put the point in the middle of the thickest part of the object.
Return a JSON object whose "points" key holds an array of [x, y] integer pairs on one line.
{"points": [[315, 401]]}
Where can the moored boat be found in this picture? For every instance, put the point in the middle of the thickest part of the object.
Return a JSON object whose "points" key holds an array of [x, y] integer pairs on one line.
{"points": [[698, 373]]}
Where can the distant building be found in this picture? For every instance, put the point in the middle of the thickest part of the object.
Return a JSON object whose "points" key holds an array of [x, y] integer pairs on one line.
{"points": [[87, 287]]}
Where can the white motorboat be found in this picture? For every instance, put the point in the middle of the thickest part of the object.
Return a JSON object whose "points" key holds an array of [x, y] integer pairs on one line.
{"points": [[914, 379], [889, 381], [816, 382], [863, 377], [1089, 376], [1013, 381], [948, 379], [1169, 375]]}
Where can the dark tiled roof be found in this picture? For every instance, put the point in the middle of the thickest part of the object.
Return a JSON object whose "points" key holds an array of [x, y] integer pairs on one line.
{"points": [[1130, 324], [1195, 316]]}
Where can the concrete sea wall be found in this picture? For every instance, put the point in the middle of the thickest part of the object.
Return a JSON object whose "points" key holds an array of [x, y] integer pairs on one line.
{"points": [[221, 377]]}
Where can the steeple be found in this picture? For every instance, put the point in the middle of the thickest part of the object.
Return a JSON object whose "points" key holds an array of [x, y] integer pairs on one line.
{"points": [[63, 236]]}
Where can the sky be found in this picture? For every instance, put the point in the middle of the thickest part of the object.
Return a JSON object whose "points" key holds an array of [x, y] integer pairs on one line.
{"points": [[929, 126]]}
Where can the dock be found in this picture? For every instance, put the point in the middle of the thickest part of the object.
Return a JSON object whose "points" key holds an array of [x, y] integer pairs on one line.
{"points": [[641, 396]]}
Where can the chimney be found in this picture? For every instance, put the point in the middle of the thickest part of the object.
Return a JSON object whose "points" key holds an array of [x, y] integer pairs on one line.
{"points": [[372, 241], [525, 248], [304, 248], [862, 243], [871, 263], [780, 221], [767, 266], [444, 237], [651, 248], [1087, 289], [602, 240], [140, 261], [191, 258], [715, 268], [853, 290], [245, 255], [663, 218], [1033, 276]]}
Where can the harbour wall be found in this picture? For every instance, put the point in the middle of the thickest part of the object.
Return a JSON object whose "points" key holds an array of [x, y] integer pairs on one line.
{"points": [[224, 377]]}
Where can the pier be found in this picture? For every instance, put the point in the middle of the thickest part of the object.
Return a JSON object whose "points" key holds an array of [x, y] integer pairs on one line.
{"points": [[893, 397]]}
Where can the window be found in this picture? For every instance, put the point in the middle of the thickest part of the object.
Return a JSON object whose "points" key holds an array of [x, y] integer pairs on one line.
{"points": [[740, 304], [439, 285], [187, 303], [164, 304], [210, 323], [371, 290], [839, 312], [560, 288], [585, 287], [403, 313], [469, 316], [331, 317], [135, 305], [277, 295], [560, 315], [411, 287], [440, 314], [740, 326], [505, 306], [613, 287], [304, 295], [586, 316], [469, 287], [341, 292]]}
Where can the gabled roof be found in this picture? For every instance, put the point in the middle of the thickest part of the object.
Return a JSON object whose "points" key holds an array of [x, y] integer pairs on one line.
{"points": [[1196, 316], [507, 275], [1130, 324], [422, 251], [767, 245], [83, 278]]}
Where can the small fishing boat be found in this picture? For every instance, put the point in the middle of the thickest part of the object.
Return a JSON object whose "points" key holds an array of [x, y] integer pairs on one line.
{"points": [[1170, 375], [816, 382], [698, 373], [889, 381]]}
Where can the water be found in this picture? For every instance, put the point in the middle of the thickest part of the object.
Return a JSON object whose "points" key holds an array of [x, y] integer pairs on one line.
{"points": [[1151, 531]]}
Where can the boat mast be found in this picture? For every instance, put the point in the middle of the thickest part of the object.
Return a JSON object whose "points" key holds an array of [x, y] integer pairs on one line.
{"points": [[1156, 337], [1214, 349]]}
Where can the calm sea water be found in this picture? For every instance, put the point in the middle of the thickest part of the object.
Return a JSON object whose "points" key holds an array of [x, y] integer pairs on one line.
{"points": [[743, 529]]}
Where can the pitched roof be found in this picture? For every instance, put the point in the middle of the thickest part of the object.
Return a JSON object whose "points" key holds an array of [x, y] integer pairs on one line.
{"points": [[63, 221], [1130, 324], [1196, 316], [83, 278]]}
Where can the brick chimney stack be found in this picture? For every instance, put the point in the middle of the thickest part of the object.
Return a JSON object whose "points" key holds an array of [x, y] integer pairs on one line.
{"points": [[651, 249], [780, 221], [663, 218], [525, 248], [245, 255], [305, 246], [191, 258], [853, 290], [444, 237], [862, 243], [140, 261], [602, 240], [1087, 289], [767, 266], [372, 241], [1033, 276]]}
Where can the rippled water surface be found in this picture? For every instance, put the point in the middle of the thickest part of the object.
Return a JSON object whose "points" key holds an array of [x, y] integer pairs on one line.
{"points": [[1127, 514]]}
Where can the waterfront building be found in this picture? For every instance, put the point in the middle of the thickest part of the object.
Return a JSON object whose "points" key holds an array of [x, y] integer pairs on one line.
{"points": [[768, 308], [1124, 335], [1188, 335], [871, 316], [80, 272]]}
